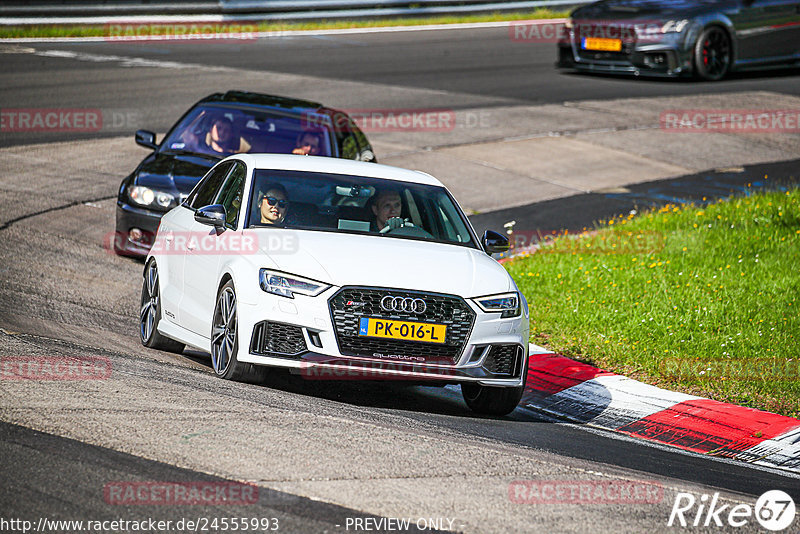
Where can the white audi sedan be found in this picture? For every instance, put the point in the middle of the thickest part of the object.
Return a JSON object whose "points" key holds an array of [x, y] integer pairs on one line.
{"points": [[336, 269]]}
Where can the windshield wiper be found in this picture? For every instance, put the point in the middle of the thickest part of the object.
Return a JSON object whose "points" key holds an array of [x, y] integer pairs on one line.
{"points": [[181, 152]]}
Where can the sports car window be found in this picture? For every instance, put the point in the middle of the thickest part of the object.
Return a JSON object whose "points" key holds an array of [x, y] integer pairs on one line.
{"points": [[205, 191], [230, 196], [363, 205], [221, 131]]}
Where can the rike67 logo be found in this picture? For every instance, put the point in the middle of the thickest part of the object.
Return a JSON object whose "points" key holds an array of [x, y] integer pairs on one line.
{"points": [[774, 510]]}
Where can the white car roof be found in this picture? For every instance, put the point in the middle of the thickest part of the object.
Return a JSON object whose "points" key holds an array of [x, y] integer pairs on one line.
{"points": [[335, 166]]}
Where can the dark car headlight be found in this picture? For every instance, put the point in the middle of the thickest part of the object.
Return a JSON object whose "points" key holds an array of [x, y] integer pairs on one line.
{"points": [[144, 196], [674, 26]]}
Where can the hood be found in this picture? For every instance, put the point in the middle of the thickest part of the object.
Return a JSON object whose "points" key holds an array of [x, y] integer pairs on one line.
{"points": [[346, 259], [649, 9], [169, 172]]}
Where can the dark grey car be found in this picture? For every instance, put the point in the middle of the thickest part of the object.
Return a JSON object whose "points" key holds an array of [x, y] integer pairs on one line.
{"points": [[705, 38]]}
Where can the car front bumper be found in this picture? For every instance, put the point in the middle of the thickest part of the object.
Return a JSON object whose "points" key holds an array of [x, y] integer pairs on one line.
{"points": [[301, 334], [131, 217], [669, 58]]}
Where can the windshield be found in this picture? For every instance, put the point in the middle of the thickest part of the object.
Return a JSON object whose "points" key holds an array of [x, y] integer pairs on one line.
{"points": [[221, 131], [356, 204]]}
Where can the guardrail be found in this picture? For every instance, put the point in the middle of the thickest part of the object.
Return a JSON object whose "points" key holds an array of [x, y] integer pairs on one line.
{"points": [[26, 11]]}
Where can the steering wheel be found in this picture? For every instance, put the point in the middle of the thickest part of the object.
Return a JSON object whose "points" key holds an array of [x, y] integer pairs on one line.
{"points": [[398, 226]]}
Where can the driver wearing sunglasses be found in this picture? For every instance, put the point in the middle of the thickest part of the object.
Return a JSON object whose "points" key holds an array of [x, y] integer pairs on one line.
{"points": [[273, 204]]}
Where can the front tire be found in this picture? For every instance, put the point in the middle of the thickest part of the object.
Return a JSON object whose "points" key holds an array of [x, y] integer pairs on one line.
{"points": [[712, 54], [490, 400], [150, 313], [225, 340]]}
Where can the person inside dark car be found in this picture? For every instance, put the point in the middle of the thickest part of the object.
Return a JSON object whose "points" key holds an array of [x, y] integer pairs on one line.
{"points": [[221, 137], [308, 144], [273, 203]]}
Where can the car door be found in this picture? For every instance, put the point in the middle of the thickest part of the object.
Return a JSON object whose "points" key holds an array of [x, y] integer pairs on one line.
{"points": [[174, 237], [203, 258], [767, 29]]}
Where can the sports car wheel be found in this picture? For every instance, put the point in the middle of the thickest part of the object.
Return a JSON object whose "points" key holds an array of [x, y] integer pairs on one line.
{"points": [[150, 313], [712, 54], [225, 340], [491, 400]]}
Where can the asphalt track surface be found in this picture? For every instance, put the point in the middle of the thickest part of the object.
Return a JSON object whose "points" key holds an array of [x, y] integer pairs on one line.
{"points": [[49, 475], [451, 68]]}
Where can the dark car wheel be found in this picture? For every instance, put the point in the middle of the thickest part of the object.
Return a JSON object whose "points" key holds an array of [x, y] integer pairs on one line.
{"points": [[150, 313], [491, 400], [225, 340], [712, 54]]}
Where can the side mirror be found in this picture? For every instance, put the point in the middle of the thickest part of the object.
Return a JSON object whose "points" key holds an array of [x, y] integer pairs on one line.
{"points": [[494, 243], [213, 215], [146, 139]]}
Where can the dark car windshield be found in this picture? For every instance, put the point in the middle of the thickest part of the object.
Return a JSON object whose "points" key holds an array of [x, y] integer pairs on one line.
{"points": [[222, 131], [356, 204]]}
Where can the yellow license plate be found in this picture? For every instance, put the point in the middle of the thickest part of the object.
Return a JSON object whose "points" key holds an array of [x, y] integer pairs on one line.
{"points": [[603, 45], [405, 330]]}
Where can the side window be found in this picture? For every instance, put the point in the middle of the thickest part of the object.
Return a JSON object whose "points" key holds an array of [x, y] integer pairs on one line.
{"points": [[348, 148], [203, 194], [231, 193]]}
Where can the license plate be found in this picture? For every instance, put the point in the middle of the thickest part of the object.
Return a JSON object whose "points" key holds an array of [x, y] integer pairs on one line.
{"points": [[405, 330], [603, 45]]}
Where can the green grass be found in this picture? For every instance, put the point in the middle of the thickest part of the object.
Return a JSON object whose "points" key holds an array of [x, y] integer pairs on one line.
{"points": [[103, 30], [699, 299]]}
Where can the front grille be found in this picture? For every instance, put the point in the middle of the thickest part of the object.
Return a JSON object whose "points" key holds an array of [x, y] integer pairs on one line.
{"points": [[593, 55], [504, 360], [351, 304], [277, 339]]}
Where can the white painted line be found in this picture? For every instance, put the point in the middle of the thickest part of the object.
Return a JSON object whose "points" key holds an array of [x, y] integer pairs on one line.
{"points": [[274, 34], [781, 451], [125, 61], [536, 349], [611, 401]]}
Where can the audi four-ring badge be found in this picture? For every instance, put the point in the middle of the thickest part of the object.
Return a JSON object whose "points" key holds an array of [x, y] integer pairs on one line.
{"points": [[336, 269]]}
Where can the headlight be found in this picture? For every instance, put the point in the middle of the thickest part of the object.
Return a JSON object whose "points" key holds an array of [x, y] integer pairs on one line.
{"points": [[144, 196], [674, 26], [286, 285], [507, 303]]}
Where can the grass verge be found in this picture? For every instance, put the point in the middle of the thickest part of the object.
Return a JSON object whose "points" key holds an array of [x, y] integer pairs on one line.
{"points": [[196, 28], [703, 300]]}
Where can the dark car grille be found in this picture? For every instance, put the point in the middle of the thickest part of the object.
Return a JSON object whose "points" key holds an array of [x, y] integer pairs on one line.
{"points": [[351, 304], [277, 339], [504, 360]]}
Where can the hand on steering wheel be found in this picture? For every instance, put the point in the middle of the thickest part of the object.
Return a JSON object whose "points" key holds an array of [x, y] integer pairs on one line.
{"points": [[394, 223]]}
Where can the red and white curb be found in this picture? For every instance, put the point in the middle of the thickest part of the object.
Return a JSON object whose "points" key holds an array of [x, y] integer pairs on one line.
{"points": [[580, 393]]}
